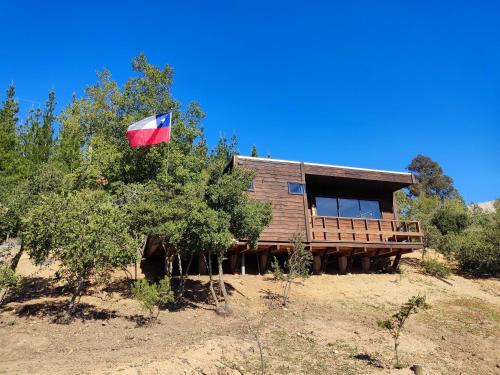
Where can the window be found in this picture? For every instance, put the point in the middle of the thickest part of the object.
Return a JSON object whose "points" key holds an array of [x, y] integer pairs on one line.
{"points": [[250, 186], [295, 188], [326, 206], [347, 207], [369, 209]]}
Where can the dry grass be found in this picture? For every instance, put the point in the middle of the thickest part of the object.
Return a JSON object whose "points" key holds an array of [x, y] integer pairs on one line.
{"points": [[329, 327]]}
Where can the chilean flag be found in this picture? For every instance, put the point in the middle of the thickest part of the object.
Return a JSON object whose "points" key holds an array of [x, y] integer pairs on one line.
{"points": [[150, 131]]}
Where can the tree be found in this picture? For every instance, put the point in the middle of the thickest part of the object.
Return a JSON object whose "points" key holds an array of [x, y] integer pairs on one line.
{"points": [[477, 248], [254, 152], [9, 143], [296, 266], [45, 140], [396, 322], [430, 179], [451, 216], [85, 232]]}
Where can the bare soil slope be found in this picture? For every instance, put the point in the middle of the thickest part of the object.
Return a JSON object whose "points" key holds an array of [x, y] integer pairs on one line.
{"points": [[329, 328]]}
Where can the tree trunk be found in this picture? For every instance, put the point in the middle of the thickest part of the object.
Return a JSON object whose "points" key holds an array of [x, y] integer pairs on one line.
{"points": [[14, 262], [211, 281], [180, 291], [75, 298], [286, 292], [227, 307]]}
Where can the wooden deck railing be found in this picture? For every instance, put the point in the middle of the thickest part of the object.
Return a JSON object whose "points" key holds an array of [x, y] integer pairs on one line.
{"points": [[332, 229]]}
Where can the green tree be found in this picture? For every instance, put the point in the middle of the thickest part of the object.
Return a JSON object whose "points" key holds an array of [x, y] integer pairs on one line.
{"points": [[296, 266], [477, 248], [254, 152], [9, 143], [430, 178], [45, 138], [396, 322], [85, 232]]}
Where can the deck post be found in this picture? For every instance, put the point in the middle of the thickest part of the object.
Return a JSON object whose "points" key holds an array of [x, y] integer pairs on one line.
{"points": [[243, 271], [263, 257], [395, 264], [342, 264], [233, 262], [202, 267], [350, 261], [317, 264], [365, 264]]}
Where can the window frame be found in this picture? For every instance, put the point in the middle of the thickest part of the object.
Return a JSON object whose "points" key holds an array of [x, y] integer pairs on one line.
{"points": [[302, 188], [337, 198]]}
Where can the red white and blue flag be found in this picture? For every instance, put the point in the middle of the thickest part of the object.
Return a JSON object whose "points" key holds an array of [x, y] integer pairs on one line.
{"points": [[150, 131]]}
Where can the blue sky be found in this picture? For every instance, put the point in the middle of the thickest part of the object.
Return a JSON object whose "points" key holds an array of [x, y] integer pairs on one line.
{"points": [[363, 83]]}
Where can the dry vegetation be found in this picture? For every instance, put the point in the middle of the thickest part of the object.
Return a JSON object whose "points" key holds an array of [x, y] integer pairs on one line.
{"points": [[330, 327]]}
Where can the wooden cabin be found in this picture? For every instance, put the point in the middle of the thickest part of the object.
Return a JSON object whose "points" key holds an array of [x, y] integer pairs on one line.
{"points": [[347, 215]]}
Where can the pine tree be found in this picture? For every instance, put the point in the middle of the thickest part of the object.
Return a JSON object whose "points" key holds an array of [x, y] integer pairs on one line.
{"points": [[47, 129], [9, 157], [254, 152]]}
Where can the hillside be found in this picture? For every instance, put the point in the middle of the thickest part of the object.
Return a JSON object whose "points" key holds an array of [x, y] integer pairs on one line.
{"points": [[330, 327]]}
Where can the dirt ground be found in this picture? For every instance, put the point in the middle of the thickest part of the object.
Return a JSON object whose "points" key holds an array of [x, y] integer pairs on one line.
{"points": [[330, 327]]}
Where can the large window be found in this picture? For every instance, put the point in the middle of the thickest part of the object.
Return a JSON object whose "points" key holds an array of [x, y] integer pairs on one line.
{"points": [[326, 206], [347, 207]]}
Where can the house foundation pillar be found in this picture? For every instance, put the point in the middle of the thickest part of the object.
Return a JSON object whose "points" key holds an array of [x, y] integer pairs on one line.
{"points": [[233, 263], [317, 264], [243, 268], [342, 264], [365, 264], [263, 257]]}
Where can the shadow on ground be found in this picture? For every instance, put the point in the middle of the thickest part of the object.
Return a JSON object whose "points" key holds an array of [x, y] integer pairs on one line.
{"points": [[57, 310], [197, 293]]}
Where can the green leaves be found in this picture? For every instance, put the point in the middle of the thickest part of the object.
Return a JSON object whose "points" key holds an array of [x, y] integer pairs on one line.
{"points": [[153, 295], [84, 231]]}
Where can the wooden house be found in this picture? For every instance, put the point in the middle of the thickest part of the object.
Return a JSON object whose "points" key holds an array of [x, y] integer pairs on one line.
{"points": [[347, 215]]}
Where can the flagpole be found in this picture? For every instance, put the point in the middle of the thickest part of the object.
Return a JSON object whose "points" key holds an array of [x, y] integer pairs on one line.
{"points": [[170, 140]]}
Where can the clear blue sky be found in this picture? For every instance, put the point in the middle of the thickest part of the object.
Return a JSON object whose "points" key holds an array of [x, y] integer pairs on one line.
{"points": [[368, 84]]}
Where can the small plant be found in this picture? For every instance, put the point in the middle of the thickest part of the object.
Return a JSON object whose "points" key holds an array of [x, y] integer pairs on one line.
{"points": [[10, 283], [396, 322], [296, 266], [153, 296], [276, 270], [436, 268]]}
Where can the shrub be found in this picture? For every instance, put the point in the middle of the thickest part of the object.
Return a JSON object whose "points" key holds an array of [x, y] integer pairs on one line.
{"points": [[153, 296], [451, 217], [85, 231], [478, 251], [477, 248], [296, 266], [10, 283], [436, 268], [396, 322]]}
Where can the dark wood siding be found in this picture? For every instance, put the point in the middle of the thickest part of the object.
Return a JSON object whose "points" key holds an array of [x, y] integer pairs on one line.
{"points": [[271, 184]]}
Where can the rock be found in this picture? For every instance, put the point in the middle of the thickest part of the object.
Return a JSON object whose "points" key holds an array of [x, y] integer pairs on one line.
{"points": [[443, 338]]}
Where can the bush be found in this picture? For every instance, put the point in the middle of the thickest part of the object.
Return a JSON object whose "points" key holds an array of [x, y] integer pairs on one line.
{"points": [[478, 251], [10, 283], [451, 217], [436, 268], [153, 296], [477, 248]]}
